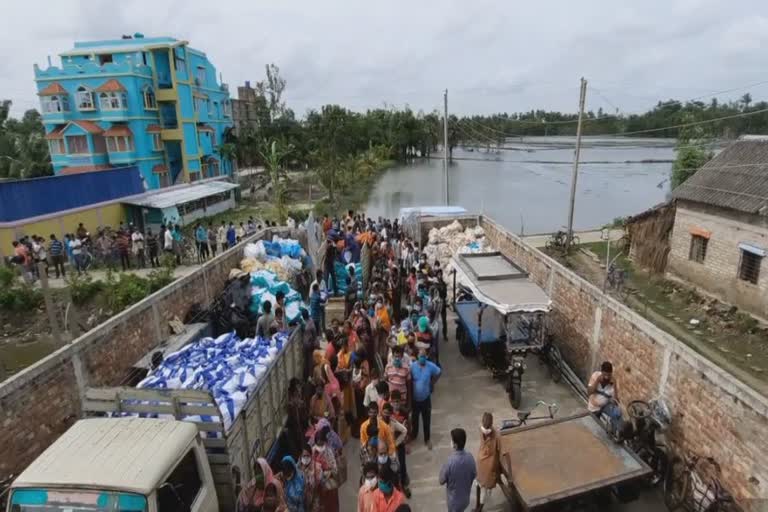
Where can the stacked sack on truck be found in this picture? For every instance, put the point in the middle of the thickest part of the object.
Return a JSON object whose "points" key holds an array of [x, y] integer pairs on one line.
{"points": [[453, 239], [264, 286], [283, 256], [228, 367]]}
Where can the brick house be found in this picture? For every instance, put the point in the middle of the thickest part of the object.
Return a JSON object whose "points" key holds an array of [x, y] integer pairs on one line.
{"points": [[720, 236]]}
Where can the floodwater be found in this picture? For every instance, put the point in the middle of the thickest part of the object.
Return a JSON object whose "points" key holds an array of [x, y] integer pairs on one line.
{"points": [[526, 186]]}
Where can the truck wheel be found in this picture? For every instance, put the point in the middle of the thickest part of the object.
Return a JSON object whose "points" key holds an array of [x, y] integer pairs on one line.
{"points": [[515, 393], [466, 348]]}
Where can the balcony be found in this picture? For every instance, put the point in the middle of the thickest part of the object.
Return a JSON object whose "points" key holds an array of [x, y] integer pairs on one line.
{"points": [[171, 134], [122, 157], [167, 94]]}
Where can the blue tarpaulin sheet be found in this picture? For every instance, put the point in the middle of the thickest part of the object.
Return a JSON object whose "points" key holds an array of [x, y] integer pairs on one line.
{"points": [[31, 198]]}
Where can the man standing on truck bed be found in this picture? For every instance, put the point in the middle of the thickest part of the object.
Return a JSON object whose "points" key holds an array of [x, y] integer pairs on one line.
{"points": [[264, 323]]}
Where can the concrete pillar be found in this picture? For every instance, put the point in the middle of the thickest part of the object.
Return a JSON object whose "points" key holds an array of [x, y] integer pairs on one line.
{"points": [[594, 340], [81, 378]]}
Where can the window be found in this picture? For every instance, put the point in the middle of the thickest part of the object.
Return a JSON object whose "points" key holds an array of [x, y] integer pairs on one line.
{"points": [[181, 488], [227, 108], [54, 104], [698, 250], [113, 101], [749, 267], [216, 111], [194, 176], [165, 180], [200, 75], [119, 144], [84, 98], [104, 59], [213, 168], [210, 107], [77, 144], [157, 143], [213, 139], [178, 59], [198, 104], [56, 147], [150, 103]]}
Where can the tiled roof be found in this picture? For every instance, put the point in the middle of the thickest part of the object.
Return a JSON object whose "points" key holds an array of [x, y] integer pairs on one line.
{"points": [[88, 126], [82, 169], [54, 88], [154, 128], [56, 133], [736, 179], [160, 168], [118, 130], [111, 86]]}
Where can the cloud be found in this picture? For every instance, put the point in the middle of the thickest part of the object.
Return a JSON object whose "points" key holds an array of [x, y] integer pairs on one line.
{"points": [[491, 55]]}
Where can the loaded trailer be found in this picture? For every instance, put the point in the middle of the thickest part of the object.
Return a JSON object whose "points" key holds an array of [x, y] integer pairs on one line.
{"points": [[135, 444]]}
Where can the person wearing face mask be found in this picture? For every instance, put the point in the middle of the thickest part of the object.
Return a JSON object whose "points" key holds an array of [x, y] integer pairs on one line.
{"points": [[312, 473], [251, 497], [424, 375], [401, 436], [323, 455], [458, 473], [370, 484], [385, 433], [387, 498], [398, 372], [321, 404], [488, 461]]}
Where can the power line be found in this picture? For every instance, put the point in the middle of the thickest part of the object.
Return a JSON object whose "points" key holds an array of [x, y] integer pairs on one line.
{"points": [[683, 125]]}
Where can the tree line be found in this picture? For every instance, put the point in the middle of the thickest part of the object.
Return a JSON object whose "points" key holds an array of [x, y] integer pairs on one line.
{"points": [[23, 148]]}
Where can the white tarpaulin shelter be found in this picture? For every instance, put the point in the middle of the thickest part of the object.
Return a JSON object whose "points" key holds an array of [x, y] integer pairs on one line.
{"points": [[499, 283]]}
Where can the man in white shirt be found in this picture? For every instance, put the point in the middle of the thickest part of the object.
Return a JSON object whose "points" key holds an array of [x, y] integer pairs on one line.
{"points": [[168, 240], [137, 247], [371, 395], [221, 237], [400, 433], [77, 253]]}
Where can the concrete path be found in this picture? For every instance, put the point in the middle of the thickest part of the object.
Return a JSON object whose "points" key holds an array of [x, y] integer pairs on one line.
{"points": [[101, 275], [585, 237], [464, 392]]}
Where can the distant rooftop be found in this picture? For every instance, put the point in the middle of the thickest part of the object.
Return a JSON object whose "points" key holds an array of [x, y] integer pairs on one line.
{"points": [[130, 44]]}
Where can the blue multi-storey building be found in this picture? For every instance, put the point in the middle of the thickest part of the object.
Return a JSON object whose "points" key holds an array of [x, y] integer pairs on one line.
{"points": [[152, 102]]}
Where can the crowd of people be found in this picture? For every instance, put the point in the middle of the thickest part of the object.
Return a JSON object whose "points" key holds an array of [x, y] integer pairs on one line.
{"points": [[127, 247], [369, 377]]}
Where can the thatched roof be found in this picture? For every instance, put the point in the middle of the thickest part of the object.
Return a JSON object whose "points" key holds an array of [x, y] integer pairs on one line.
{"points": [[736, 179]]}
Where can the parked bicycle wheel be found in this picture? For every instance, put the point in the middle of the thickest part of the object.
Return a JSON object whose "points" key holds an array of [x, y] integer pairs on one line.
{"points": [[677, 485]]}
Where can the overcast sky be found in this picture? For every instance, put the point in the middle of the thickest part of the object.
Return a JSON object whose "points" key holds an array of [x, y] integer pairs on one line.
{"points": [[493, 56]]}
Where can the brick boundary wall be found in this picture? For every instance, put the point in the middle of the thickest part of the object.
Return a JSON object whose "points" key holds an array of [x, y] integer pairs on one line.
{"points": [[42, 401], [714, 414]]}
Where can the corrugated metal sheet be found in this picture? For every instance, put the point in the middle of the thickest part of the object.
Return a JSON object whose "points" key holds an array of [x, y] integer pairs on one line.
{"points": [[30, 198], [736, 179], [181, 195]]}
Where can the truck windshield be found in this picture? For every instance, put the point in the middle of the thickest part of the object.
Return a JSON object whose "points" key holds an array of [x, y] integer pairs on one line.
{"points": [[58, 500]]}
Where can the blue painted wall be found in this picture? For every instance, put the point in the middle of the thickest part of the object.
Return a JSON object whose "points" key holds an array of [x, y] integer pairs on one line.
{"points": [[137, 67], [29, 198]]}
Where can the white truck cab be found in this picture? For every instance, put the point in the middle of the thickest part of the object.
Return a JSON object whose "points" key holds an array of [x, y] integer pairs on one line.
{"points": [[119, 465]]}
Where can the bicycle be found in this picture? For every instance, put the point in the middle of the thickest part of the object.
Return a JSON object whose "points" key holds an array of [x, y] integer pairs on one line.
{"points": [[524, 416], [551, 356], [559, 241], [685, 489]]}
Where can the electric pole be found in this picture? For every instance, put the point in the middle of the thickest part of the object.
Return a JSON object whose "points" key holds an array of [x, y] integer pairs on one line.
{"points": [[445, 145], [582, 99]]}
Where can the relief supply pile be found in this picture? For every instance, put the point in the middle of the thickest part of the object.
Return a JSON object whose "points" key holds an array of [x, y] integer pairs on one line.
{"points": [[283, 256], [454, 239], [265, 285], [228, 367]]}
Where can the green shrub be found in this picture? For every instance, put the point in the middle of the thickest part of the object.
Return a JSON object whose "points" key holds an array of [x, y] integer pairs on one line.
{"points": [[83, 288], [746, 323], [160, 278], [7, 276], [20, 298], [125, 290]]}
